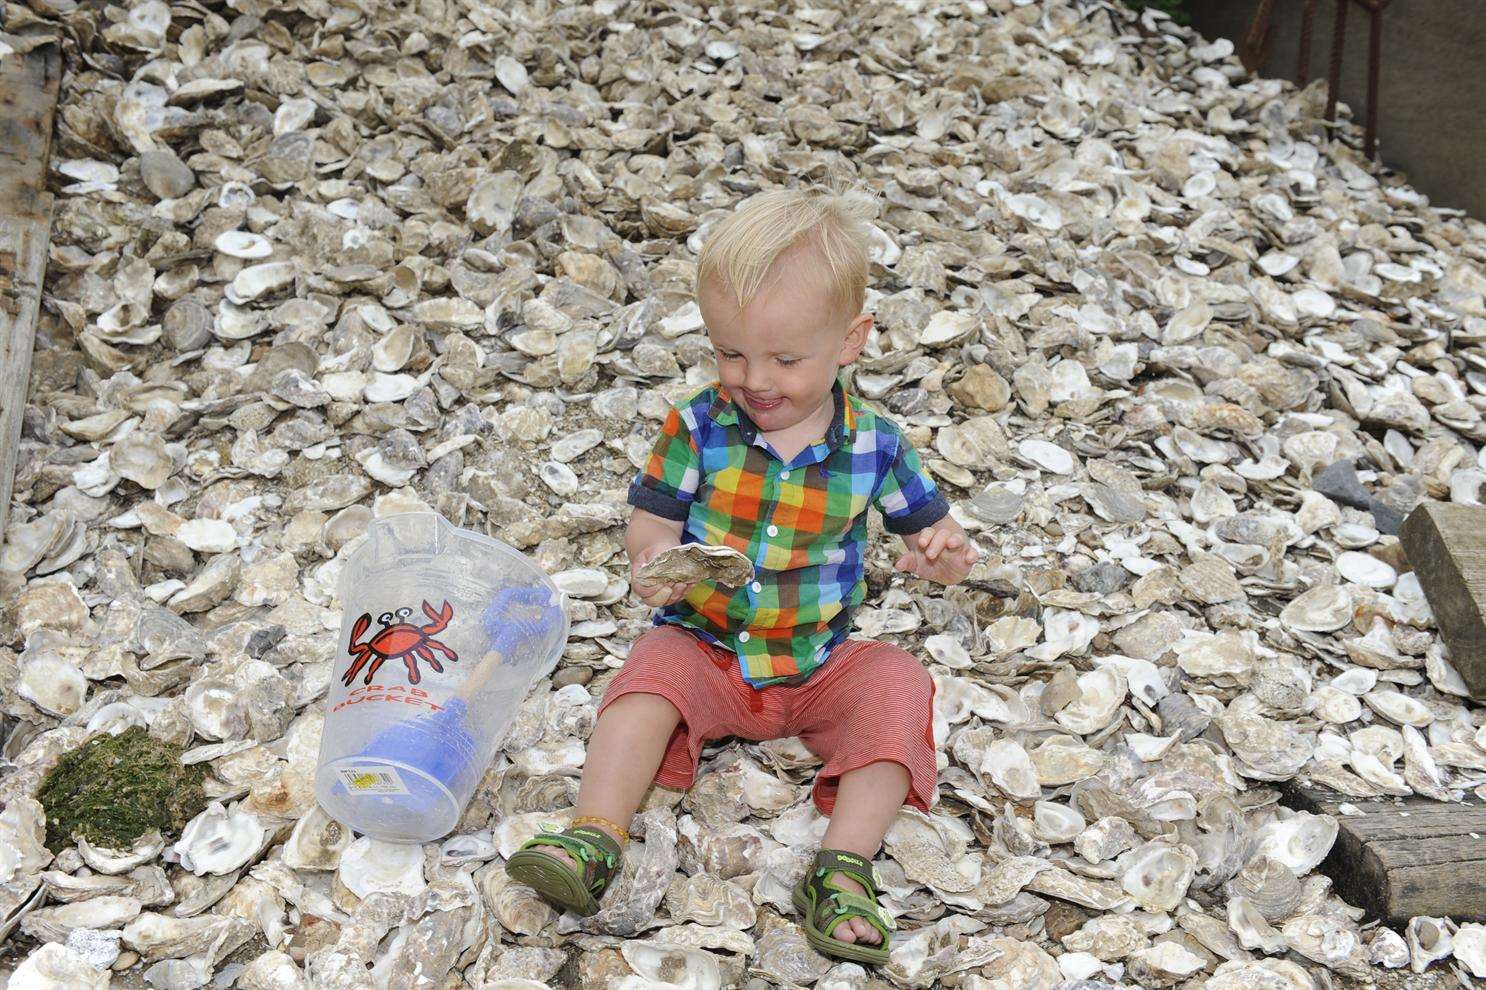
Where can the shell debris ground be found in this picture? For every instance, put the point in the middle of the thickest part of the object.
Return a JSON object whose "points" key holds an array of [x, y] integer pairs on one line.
{"points": [[1156, 329]]}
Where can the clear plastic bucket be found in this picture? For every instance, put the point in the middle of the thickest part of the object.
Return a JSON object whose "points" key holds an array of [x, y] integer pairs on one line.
{"points": [[443, 631]]}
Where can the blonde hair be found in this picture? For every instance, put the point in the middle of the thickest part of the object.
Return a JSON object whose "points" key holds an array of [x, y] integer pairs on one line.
{"points": [[740, 252]]}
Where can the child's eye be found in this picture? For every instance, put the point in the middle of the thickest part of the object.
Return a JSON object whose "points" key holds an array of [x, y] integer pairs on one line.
{"points": [[728, 357], [789, 361]]}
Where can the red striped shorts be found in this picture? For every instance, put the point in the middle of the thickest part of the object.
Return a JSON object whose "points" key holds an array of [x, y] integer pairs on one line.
{"points": [[870, 701]]}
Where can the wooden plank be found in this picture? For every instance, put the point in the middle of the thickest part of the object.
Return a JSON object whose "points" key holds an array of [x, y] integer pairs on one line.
{"points": [[1436, 889], [1429, 850], [1404, 857], [28, 98], [1455, 820], [1446, 545]]}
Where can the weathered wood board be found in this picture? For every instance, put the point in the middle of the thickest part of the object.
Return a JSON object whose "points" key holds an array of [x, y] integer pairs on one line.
{"points": [[1405, 857], [1446, 545], [28, 97]]}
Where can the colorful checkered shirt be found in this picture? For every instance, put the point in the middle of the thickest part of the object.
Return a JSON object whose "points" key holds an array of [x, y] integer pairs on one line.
{"points": [[803, 524]]}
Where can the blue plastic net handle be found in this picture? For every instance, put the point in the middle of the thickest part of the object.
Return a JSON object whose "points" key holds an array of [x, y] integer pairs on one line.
{"points": [[520, 614]]}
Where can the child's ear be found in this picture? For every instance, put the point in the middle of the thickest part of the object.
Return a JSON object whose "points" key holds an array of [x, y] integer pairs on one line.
{"points": [[856, 338]]}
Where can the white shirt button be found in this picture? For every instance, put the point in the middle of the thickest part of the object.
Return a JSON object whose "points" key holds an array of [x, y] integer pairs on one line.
{"points": [[783, 475], [743, 636], [772, 531], [756, 586]]}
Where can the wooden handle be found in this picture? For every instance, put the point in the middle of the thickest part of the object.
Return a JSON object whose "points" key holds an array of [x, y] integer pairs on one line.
{"points": [[472, 685]]}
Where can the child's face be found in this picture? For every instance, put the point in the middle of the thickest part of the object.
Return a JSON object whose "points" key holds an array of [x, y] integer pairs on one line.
{"points": [[779, 357]]}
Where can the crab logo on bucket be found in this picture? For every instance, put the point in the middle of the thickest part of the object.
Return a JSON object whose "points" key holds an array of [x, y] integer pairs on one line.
{"points": [[399, 639]]}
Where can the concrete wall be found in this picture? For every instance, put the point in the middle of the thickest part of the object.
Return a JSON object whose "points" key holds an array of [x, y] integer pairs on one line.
{"points": [[1432, 88]]}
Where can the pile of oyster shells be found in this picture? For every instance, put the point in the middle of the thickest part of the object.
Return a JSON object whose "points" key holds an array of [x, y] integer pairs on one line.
{"points": [[1180, 357]]}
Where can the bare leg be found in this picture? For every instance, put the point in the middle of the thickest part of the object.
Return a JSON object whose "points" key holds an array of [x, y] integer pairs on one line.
{"points": [[867, 801], [627, 745]]}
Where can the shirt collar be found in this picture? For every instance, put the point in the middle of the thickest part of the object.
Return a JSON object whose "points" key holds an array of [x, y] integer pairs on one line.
{"points": [[726, 412]]}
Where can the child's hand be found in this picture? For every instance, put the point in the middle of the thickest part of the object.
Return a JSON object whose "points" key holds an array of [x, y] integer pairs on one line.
{"points": [[939, 554], [657, 595]]}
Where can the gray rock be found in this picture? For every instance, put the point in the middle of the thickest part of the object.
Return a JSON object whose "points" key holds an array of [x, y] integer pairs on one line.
{"points": [[1386, 518], [1104, 578], [1339, 482], [265, 639], [165, 175], [572, 675]]}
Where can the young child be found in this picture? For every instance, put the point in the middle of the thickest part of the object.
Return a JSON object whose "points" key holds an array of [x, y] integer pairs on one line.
{"points": [[778, 462]]}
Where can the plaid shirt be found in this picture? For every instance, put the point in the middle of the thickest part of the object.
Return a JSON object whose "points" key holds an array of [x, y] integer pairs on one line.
{"points": [[803, 524]]}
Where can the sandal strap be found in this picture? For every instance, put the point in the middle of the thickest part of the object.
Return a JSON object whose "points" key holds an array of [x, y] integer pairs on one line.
{"points": [[856, 906], [833, 905], [597, 853], [596, 837], [859, 868]]}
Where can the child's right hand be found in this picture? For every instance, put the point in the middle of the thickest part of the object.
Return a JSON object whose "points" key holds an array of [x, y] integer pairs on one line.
{"points": [[661, 594]]}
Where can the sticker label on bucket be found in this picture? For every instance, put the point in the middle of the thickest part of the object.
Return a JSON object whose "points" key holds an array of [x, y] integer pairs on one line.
{"points": [[371, 780]]}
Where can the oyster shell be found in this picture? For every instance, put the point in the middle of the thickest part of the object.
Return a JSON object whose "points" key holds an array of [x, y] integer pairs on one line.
{"points": [[694, 562], [1430, 940], [1101, 692], [317, 842], [1298, 842], [56, 967], [1332, 942], [682, 966], [1056, 823], [1388, 949], [1010, 768], [1470, 948], [1156, 876], [369, 866], [219, 841], [115, 861]]}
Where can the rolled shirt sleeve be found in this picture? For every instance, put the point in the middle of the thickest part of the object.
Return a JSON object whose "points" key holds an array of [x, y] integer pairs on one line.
{"points": [[906, 496], [668, 483]]}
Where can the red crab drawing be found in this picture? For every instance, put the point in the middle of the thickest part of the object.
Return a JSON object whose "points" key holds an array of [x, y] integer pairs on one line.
{"points": [[399, 639]]}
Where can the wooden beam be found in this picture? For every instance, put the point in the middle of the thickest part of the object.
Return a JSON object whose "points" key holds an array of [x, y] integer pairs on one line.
{"points": [[28, 98], [1446, 545], [1404, 857]]}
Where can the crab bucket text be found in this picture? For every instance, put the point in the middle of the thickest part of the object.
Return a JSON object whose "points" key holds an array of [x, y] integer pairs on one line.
{"points": [[397, 693]]}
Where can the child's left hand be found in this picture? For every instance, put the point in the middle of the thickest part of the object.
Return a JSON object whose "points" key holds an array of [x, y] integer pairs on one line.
{"points": [[939, 554]]}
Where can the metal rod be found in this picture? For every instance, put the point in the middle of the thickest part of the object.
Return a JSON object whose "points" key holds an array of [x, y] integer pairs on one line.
{"points": [[1338, 41], [1374, 65], [1303, 59], [1256, 41]]}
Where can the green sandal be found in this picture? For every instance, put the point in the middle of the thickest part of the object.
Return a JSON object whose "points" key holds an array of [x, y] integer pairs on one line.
{"points": [[825, 905], [557, 882]]}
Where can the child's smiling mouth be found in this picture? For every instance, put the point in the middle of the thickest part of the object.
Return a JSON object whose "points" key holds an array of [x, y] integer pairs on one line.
{"points": [[763, 405]]}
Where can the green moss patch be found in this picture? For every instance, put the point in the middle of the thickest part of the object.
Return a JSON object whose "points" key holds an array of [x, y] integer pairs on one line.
{"points": [[113, 789]]}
